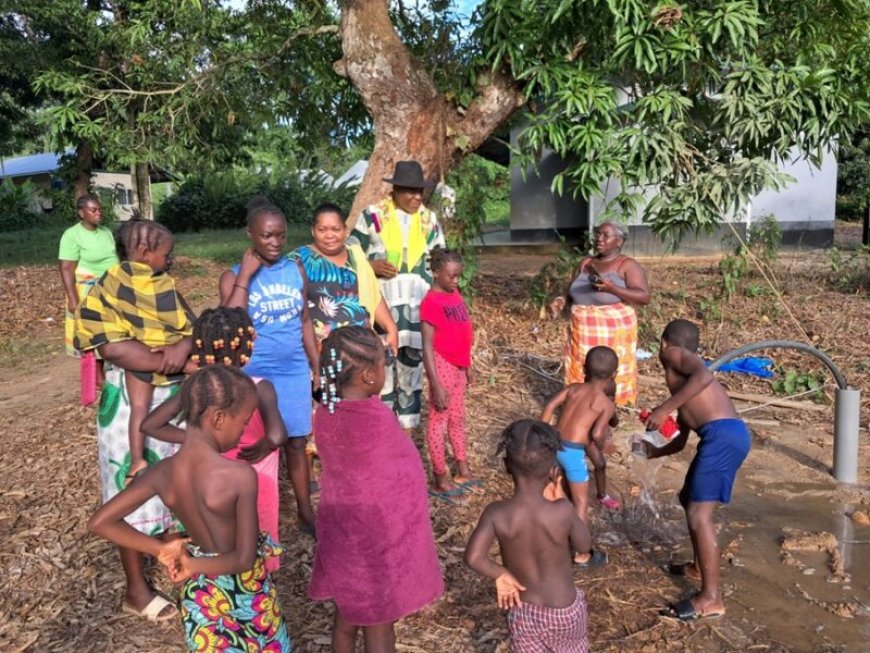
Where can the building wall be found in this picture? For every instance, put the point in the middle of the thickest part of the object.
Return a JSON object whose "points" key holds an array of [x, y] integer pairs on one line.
{"points": [[117, 187]]}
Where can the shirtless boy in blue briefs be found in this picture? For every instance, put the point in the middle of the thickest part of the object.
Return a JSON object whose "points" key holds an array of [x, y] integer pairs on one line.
{"points": [[703, 406], [587, 414]]}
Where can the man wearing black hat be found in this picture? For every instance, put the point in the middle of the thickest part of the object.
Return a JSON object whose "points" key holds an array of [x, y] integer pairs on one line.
{"points": [[397, 234]]}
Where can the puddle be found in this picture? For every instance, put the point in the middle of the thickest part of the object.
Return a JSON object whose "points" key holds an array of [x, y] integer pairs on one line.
{"points": [[799, 602]]}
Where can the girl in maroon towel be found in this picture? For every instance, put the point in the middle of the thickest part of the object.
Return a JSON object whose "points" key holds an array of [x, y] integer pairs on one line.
{"points": [[375, 556]]}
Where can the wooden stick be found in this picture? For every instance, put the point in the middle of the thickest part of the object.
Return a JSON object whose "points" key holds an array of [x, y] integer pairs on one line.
{"points": [[755, 398]]}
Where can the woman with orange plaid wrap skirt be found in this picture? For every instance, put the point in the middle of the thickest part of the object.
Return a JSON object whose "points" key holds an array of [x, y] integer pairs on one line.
{"points": [[601, 297]]}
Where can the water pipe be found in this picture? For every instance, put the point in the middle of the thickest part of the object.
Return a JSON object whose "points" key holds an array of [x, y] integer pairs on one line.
{"points": [[847, 405]]}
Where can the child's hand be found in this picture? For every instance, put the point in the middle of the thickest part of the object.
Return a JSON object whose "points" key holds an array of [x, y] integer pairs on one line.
{"points": [[170, 555], [470, 376], [507, 590], [251, 262], [136, 466], [439, 398], [257, 451], [181, 570], [655, 419]]}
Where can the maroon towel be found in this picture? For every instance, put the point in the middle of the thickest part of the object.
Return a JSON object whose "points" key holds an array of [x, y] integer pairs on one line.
{"points": [[375, 554]]}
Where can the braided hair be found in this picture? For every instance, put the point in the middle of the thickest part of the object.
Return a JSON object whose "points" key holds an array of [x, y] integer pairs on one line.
{"points": [[135, 231], [530, 447], [345, 351], [223, 335], [441, 256], [216, 386], [259, 206]]}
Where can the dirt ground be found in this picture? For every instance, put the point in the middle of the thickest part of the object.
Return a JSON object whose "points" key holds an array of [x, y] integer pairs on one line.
{"points": [[784, 586]]}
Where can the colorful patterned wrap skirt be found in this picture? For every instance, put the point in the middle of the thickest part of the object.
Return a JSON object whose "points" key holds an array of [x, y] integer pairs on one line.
{"points": [[113, 443], [85, 280], [614, 326], [235, 613]]}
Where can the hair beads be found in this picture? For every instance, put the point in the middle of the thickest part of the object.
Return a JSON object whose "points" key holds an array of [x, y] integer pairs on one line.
{"points": [[223, 335], [345, 351]]}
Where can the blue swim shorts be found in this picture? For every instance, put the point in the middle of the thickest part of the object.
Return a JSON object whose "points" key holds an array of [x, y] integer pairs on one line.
{"points": [[723, 447], [572, 459]]}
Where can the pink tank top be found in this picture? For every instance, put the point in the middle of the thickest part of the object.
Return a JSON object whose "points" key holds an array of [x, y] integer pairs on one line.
{"points": [[254, 430]]}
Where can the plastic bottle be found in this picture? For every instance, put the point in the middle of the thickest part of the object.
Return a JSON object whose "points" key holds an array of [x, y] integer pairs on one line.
{"points": [[666, 432]]}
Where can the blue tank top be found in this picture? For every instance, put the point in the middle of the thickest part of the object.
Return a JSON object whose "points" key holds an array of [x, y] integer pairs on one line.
{"points": [[275, 305]]}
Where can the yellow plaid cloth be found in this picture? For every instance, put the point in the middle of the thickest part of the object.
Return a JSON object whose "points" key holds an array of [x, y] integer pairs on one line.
{"points": [[614, 326], [130, 302]]}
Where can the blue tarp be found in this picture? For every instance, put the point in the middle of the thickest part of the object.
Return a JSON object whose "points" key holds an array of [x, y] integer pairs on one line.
{"points": [[751, 365]]}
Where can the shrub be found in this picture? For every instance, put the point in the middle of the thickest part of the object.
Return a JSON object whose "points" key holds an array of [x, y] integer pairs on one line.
{"points": [[219, 200], [17, 203]]}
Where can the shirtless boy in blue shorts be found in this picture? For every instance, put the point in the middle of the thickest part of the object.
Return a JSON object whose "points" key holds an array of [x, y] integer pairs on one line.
{"points": [[587, 414], [704, 407]]}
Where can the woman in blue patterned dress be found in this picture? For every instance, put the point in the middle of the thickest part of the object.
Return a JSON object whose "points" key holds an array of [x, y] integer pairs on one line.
{"points": [[342, 287], [273, 288]]}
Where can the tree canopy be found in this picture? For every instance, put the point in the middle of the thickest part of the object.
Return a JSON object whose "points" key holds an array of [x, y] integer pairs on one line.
{"points": [[688, 106]]}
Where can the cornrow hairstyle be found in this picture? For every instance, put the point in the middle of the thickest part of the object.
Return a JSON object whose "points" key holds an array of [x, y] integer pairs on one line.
{"points": [[260, 205], [327, 207], [530, 447], [440, 256], [130, 234], [216, 386], [223, 335], [345, 351], [86, 199]]}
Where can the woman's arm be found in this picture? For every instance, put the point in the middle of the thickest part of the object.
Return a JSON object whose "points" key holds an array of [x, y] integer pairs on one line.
{"points": [[384, 319], [309, 340], [636, 291], [158, 423], [234, 288], [275, 433], [68, 279]]}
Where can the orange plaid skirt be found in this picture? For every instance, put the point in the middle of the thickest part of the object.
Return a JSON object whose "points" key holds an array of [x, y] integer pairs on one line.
{"points": [[614, 326]]}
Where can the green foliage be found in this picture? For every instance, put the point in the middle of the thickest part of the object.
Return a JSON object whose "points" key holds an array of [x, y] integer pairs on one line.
{"points": [[763, 242], [850, 270], [791, 382], [17, 205], [853, 176], [482, 189], [219, 200], [691, 104]]}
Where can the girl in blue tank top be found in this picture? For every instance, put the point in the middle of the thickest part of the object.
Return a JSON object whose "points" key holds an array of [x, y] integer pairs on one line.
{"points": [[272, 289]]}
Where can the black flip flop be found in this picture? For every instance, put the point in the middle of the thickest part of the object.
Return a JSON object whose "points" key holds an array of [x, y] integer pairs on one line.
{"points": [[685, 611]]}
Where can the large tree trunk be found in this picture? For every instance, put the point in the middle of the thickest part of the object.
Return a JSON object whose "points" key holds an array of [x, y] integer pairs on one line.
{"points": [[412, 119], [82, 170], [142, 189]]}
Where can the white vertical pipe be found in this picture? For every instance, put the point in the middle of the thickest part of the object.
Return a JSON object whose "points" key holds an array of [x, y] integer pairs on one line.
{"points": [[847, 419]]}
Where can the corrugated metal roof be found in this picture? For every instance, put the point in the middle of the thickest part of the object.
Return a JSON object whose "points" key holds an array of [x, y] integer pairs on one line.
{"points": [[35, 164]]}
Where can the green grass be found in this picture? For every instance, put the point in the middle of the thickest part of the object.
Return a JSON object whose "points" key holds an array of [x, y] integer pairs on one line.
{"points": [[39, 246]]}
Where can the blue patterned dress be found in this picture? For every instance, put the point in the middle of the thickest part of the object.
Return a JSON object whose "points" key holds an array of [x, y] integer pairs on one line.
{"points": [[275, 304], [333, 292]]}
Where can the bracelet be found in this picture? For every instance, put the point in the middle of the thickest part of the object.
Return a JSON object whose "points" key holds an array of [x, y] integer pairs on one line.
{"points": [[238, 285]]}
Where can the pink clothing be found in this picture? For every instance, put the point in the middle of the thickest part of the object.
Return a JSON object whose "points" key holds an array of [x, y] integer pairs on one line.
{"points": [[454, 333], [451, 420], [267, 480], [375, 555]]}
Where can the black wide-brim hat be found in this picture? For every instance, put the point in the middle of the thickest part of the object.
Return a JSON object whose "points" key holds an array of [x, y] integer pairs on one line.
{"points": [[408, 174]]}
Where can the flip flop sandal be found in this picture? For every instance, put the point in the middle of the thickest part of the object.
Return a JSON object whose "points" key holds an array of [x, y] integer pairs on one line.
{"points": [[453, 496], [472, 486], [597, 559], [685, 611], [154, 611], [308, 530]]}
